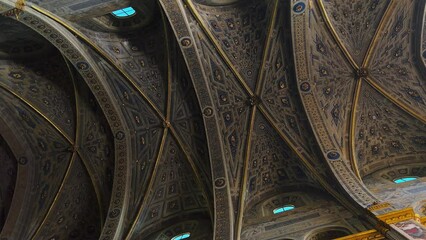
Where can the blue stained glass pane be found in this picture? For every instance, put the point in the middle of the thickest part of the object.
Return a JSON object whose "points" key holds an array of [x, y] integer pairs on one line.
{"points": [[181, 236], [288, 208], [129, 10], [404, 179], [124, 12], [284, 208], [278, 210]]}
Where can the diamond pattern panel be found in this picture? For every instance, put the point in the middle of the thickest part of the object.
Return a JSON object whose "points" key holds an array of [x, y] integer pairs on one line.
{"points": [[187, 119], [176, 190], [355, 23], [230, 105], [332, 78], [146, 135], [75, 213], [40, 177], [385, 134], [273, 166], [279, 94], [144, 61], [96, 143], [46, 86], [240, 29], [392, 65]]}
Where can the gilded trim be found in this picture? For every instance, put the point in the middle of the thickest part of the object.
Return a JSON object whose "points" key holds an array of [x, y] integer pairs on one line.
{"points": [[76, 145], [150, 184], [376, 36], [243, 189], [260, 77], [219, 49], [67, 172], [61, 132], [169, 69], [103, 54], [398, 216], [335, 36], [401, 105], [306, 162], [370, 235], [352, 133], [20, 4], [423, 220], [379, 206]]}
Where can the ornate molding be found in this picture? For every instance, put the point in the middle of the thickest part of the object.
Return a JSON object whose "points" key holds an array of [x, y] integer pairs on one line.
{"points": [[379, 206], [367, 235], [398, 216]]}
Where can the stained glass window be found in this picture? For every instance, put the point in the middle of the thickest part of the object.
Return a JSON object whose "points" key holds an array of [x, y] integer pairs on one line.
{"points": [[181, 236], [124, 12], [284, 208], [404, 179]]}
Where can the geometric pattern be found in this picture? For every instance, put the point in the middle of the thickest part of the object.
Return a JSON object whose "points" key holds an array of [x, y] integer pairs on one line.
{"points": [[386, 134], [240, 30], [246, 107], [75, 213], [44, 164], [175, 194], [393, 64], [355, 23], [332, 78]]}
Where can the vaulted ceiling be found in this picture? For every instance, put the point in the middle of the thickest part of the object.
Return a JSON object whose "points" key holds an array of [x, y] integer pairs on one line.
{"points": [[204, 116]]}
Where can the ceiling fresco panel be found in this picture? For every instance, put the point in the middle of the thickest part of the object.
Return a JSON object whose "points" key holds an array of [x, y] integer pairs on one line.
{"points": [[46, 85], [75, 212], [143, 62], [96, 143], [18, 41], [246, 107], [273, 166], [385, 134], [146, 135], [176, 191], [278, 93], [45, 170], [186, 116], [240, 31], [355, 23], [392, 65], [332, 77], [232, 109]]}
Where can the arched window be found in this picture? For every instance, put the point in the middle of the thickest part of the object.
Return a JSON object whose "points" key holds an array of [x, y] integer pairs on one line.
{"points": [[404, 179], [124, 12], [182, 236], [284, 208]]}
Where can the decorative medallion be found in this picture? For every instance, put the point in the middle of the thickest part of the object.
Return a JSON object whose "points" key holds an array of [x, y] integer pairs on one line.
{"points": [[305, 87], [208, 111], [82, 65], [333, 155], [299, 7], [119, 135], [114, 213], [22, 160], [186, 42], [219, 183]]}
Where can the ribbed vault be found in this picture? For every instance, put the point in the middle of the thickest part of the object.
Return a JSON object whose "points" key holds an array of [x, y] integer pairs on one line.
{"points": [[205, 116]]}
